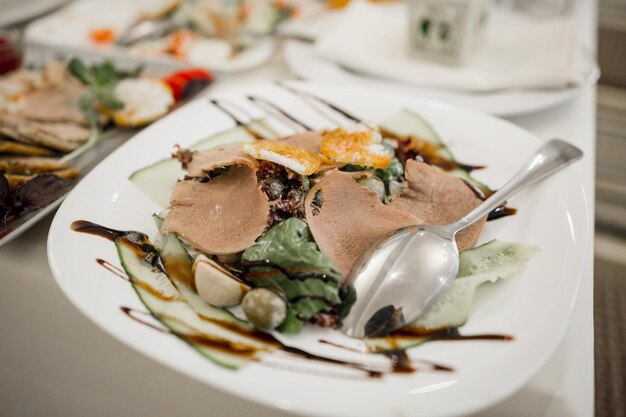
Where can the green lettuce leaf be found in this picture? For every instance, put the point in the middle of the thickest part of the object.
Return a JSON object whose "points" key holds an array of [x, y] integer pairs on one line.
{"points": [[289, 245], [491, 262]]}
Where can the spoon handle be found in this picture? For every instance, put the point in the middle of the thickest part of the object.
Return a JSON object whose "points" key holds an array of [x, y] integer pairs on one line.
{"points": [[548, 159]]}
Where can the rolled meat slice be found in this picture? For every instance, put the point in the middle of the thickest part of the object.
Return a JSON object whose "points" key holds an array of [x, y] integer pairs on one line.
{"points": [[203, 162], [223, 216], [439, 198], [345, 218]]}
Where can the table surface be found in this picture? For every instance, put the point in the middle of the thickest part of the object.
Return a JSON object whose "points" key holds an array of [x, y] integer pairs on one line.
{"points": [[54, 362]]}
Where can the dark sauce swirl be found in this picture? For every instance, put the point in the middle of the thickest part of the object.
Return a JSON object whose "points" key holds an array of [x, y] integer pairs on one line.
{"points": [[400, 362]]}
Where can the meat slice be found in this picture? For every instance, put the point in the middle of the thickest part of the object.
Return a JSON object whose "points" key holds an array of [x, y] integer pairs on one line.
{"points": [[439, 198], [222, 216], [53, 104], [203, 162], [32, 165], [59, 136], [351, 218], [15, 148]]}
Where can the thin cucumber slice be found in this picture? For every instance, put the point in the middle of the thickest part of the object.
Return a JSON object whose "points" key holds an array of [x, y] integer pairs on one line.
{"points": [[220, 343], [409, 123], [262, 128], [158, 179], [464, 175], [179, 264], [490, 262]]}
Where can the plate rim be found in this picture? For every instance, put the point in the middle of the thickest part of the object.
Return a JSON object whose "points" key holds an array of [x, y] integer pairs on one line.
{"points": [[563, 96]]}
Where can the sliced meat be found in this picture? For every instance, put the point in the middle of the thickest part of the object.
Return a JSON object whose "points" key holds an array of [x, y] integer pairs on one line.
{"points": [[15, 148], [33, 165], [223, 216], [439, 198], [59, 136], [17, 83], [203, 162], [55, 73], [351, 218], [304, 140], [53, 104], [56, 99]]}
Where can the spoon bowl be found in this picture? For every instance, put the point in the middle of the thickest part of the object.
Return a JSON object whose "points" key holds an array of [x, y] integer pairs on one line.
{"points": [[411, 260], [404, 273]]}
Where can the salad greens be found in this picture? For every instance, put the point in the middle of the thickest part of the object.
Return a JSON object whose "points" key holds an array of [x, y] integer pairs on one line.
{"points": [[32, 195], [313, 286], [102, 78], [392, 177], [491, 262]]}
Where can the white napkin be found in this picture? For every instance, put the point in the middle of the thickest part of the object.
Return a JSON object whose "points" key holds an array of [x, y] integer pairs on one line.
{"points": [[519, 52]]}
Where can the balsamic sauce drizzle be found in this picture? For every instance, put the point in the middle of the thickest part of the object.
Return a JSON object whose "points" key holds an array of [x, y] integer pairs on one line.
{"points": [[133, 314], [217, 103], [280, 113], [448, 334], [112, 268], [293, 274], [314, 104], [326, 103], [400, 362], [354, 365], [397, 357], [310, 371], [139, 240], [502, 211]]}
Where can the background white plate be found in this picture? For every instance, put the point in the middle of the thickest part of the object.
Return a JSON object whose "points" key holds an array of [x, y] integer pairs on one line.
{"points": [[534, 307], [304, 63], [65, 33], [15, 11]]}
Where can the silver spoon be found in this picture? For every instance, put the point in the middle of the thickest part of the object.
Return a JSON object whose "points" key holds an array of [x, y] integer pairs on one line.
{"points": [[405, 272]]}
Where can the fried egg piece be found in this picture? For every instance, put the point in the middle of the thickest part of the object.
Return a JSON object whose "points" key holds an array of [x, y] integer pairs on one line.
{"points": [[357, 145], [145, 100], [302, 161]]}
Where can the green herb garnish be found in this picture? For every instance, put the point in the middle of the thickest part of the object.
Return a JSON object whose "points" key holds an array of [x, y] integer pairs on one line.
{"points": [[393, 173], [102, 79]]}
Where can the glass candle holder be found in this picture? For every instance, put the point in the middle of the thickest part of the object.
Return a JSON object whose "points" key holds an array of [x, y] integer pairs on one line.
{"points": [[448, 31]]}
